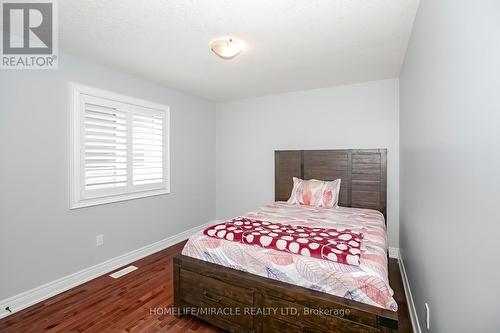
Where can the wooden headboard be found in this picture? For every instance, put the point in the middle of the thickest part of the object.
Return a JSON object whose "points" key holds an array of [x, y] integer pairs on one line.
{"points": [[363, 173]]}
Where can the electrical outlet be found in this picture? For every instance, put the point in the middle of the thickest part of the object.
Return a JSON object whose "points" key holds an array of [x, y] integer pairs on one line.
{"points": [[427, 316], [99, 240]]}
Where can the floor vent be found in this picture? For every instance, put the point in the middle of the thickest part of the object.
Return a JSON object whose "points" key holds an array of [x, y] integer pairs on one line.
{"points": [[122, 272]]}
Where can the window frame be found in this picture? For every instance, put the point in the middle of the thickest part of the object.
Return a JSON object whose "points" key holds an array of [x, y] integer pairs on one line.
{"points": [[77, 187]]}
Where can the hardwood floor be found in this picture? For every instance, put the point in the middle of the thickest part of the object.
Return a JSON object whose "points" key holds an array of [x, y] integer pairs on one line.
{"points": [[396, 283], [128, 304]]}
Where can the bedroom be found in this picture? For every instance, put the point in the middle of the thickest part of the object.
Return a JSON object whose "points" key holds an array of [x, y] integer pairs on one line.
{"points": [[214, 107]]}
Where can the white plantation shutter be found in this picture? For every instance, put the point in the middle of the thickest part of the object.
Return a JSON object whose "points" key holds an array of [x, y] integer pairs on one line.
{"points": [[147, 148], [104, 146], [120, 148]]}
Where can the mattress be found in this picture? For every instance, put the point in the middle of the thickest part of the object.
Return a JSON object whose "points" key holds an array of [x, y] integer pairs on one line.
{"points": [[367, 283]]}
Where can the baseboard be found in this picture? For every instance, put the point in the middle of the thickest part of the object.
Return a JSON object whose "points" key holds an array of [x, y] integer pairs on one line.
{"points": [[411, 305], [28, 298], [393, 252]]}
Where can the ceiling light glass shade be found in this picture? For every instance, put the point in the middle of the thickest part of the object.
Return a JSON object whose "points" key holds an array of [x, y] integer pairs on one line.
{"points": [[226, 48]]}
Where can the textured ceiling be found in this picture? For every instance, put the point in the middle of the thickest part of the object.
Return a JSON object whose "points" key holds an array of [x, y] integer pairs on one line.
{"points": [[291, 45]]}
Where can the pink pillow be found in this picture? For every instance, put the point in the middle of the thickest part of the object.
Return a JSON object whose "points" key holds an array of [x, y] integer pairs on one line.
{"points": [[315, 193], [331, 194]]}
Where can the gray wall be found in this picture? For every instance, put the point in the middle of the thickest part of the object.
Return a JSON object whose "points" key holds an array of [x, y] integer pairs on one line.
{"points": [[40, 238], [450, 162], [248, 131]]}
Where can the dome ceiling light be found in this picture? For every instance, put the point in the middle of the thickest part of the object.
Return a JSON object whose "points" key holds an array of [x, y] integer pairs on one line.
{"points": [[226, 48]]}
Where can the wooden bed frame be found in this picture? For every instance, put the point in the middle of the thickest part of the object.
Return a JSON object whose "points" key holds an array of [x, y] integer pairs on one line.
{"points": [[242, 302], [363, 173]]}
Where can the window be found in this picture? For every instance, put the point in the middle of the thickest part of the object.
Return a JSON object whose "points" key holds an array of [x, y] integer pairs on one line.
{"points": [[120, 148]]}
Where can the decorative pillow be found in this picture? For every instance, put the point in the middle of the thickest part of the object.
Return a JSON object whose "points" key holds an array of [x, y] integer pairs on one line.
{"points": [[307, 192], [331, 192], [315, 193]]}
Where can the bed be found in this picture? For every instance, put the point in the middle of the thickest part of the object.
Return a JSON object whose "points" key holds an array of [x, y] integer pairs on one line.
{"points": [[243, 288]]}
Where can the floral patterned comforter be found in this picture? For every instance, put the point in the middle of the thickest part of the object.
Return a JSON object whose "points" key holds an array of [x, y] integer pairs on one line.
{"points": [[367, 283]]}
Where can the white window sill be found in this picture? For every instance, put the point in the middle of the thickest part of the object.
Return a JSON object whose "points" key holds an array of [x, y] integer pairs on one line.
{"points": [[116, 198]]}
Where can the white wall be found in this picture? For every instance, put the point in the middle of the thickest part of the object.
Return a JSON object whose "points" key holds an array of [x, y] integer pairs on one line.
{"points": [[450, 162], [248, 131], [40, 238]]}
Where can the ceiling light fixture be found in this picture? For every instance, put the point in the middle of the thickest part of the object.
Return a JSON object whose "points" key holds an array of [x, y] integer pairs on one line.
{"points": [[226, 48]]}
